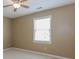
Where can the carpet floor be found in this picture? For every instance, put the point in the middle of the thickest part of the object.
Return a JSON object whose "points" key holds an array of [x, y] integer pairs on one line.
{"points": [[16, 54]]}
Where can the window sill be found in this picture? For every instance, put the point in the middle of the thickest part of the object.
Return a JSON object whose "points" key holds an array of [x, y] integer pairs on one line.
{"points": [[42, 42]]}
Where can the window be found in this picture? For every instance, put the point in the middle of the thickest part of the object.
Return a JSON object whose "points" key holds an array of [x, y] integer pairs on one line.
{"points": [[41, 30]]}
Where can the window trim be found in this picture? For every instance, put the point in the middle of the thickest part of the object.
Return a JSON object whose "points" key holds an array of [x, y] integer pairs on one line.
{"points": [[42, 42]]}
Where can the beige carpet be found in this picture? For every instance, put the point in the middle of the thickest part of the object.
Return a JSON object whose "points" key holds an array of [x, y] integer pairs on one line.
{"points": [[16, 54]]}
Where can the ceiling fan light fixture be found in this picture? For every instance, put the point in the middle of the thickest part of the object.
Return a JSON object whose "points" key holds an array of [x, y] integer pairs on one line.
{"points": [[16, 5]]}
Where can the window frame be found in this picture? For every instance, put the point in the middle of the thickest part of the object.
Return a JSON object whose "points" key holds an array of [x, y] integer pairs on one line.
{"points": [[42, 42]]}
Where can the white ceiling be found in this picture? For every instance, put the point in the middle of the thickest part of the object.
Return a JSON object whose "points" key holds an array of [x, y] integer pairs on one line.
{"points": [[34, 5]]}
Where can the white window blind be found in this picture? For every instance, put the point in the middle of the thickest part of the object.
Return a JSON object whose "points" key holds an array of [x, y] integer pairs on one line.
{"points": [[42, 28]]}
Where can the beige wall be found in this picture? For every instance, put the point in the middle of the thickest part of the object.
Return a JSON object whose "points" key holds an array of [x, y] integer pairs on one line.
{"points": [[63, 35], [6, 32]]}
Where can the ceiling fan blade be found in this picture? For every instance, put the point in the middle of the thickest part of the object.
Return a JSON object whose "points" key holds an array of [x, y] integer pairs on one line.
{"points": [[7, 5], [15, 0], [25, 6], [19, 0], [23, 0], [15, 9]]}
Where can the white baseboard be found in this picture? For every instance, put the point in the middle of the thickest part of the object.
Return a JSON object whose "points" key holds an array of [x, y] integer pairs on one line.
{"points": [[7, 49], [60, 57]]}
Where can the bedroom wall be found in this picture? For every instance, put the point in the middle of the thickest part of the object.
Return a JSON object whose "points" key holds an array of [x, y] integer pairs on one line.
{"points": [[63, 32], [6, 32]]}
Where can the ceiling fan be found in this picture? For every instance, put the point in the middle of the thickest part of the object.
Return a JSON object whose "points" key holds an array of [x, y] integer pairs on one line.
{"points": [[17, 4]]}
